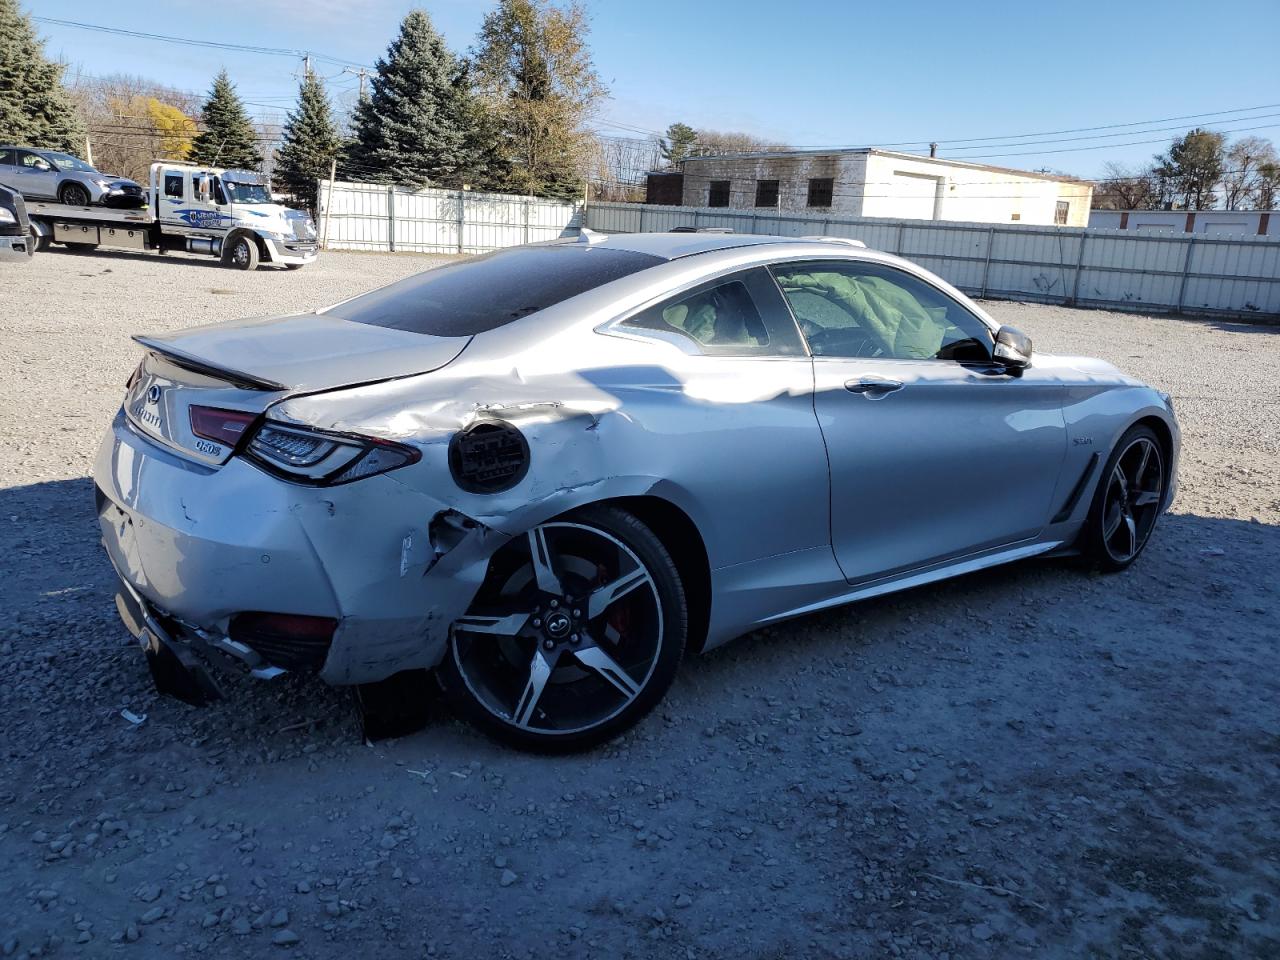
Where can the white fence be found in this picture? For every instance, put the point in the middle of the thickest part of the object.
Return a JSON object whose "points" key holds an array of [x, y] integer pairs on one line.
{"points": [[368, 216], [1194, 274]]}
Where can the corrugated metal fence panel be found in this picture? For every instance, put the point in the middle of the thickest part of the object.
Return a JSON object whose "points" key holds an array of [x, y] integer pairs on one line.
{"points": [[1100, 267], [361, 216]]}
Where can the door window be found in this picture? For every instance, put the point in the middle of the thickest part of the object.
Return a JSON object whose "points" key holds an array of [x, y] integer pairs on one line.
{"points": [[737, 315], [863, 309], [34, 162], [173, 186], [7, 158]]}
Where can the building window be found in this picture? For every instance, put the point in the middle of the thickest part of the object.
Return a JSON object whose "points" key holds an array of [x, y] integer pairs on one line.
{"points": [[820, 189], [1060, 213], [766, 193], [719, 194]]}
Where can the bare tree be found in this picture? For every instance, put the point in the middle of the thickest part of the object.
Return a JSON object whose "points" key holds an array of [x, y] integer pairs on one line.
{"points": [[132, 120], [713, 142], [1124, 188], [1242, 177], [619, 166]]}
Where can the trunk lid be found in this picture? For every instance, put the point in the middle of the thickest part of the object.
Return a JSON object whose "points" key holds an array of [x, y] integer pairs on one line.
{"points": [[248, 365]]}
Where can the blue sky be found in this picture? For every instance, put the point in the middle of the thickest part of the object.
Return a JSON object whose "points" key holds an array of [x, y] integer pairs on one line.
{"points": [[807, 72]]}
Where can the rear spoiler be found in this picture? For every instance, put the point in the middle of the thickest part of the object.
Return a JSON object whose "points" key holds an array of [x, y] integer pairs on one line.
{"points": [[237, 378]]}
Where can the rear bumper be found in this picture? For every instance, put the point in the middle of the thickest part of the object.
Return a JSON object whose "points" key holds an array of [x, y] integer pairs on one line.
{"points": [[198, 545]]}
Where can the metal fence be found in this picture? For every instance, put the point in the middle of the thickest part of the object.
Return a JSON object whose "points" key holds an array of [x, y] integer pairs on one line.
{"points": [[1212, 276], [368, 216]]}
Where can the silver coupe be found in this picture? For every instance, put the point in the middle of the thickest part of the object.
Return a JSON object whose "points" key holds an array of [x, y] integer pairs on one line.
{"points": [[549, 473]]}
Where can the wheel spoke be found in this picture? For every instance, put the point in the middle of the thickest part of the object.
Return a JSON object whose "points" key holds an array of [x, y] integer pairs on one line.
{"points": [[1146, 498], [506, 626], [1118, 476], [596, 659], [603, 597], [539, 673], [1115, 513], [1132, 529], [1136, 479], [540, 555]]}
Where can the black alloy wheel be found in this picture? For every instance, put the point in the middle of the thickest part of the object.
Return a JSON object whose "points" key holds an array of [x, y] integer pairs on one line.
{"points": [[575, 634]]}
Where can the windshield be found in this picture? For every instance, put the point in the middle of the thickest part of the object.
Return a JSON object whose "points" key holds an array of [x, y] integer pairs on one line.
{"points": [[247, 192], [66, 161]]}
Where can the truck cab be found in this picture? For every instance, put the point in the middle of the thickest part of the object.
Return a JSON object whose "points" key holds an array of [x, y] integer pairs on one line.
{"points": [[229, 213]]}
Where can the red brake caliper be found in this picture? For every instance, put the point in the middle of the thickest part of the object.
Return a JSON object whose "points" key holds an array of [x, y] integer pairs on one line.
{"points": [[620, 616]]}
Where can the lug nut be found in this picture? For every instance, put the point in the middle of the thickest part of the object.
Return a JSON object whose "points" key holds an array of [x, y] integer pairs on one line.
{"points": [[548, 644], [537, 622], [577, 613], [574, 638], [554, 604]]}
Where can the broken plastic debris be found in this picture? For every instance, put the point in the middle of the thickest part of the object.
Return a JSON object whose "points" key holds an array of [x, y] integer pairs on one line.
{"points": [[133, 718]]}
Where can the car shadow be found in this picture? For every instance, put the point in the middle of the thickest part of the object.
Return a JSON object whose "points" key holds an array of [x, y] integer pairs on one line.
{"points": [[175, 256], [59, 589]]}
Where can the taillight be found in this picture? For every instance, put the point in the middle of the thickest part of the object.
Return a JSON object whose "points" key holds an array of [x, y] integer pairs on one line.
{"points": [[220, 426], [306, 455]]}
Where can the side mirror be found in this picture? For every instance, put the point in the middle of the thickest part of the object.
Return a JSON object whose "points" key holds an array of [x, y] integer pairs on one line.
{"points": [[202, 189], [44, 166], [1013, 348]]}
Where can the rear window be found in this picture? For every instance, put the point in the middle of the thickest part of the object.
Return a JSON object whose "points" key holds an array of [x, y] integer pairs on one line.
{"points": [[489, 291]]}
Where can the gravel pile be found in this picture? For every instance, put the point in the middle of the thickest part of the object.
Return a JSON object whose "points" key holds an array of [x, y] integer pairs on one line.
{"points": [[1029, 762]]}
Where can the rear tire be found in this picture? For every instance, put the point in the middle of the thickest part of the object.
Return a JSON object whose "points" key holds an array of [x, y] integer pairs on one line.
{"points": [[1127, 502], [563, 655], [240, 252]]}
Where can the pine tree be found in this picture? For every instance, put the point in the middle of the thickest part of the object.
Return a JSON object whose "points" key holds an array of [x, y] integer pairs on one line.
{"points": [[311, 141], [678, 144], [34, 105], [228, 139], [412, 128]]}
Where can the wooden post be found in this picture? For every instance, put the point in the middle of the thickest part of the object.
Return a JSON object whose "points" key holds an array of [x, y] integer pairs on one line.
{"points": [[528, 202], [328, 205]]}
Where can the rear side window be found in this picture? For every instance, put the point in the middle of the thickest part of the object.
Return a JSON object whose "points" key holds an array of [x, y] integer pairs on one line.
{"points": [[6, 157], [490, 291], [173, 185]]}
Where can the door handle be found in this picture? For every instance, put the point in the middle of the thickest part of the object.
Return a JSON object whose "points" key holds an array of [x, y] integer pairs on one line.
{"points": [[873, 388]]}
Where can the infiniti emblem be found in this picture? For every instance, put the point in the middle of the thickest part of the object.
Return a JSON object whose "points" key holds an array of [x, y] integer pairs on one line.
{"points": [[557, 625], [153, 394]]}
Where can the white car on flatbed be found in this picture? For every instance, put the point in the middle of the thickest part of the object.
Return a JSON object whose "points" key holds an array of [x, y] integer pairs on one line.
{"points": [[223, 213]]}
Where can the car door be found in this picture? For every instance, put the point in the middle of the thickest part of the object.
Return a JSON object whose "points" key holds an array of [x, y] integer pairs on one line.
{"points": [[9, 169], [735, 405], [37, 177], [934, 452]]}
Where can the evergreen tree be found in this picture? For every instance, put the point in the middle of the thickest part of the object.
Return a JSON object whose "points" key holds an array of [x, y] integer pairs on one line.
{"points": [[311, 141], [412, 129], [678, 144], [34, 106], [228, 139]]}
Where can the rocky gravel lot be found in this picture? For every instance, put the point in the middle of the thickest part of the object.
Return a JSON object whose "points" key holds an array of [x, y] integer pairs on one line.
{"points": [[1029, 762]]}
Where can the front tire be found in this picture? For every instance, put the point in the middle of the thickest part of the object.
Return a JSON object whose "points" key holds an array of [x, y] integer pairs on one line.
{"points": [[73, 194], [1128, 501], [240, 253], [576, 633]]}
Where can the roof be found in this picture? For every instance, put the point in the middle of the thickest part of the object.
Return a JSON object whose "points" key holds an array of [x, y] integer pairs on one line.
{"points": [[875, 151], [673, 246]]}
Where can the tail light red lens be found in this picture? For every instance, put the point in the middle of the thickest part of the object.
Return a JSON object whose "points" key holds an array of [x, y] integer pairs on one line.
{"points": [[220, 426]]}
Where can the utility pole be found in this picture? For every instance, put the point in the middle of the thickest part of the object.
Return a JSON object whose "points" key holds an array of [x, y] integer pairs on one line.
{"points": [[361, 73], [306, 66]]}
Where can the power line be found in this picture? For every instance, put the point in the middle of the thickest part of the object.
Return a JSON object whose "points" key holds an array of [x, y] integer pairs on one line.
{"points": [[188, 41]]}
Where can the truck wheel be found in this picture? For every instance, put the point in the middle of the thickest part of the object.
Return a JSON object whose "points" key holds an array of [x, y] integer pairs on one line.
{"points": [[37, 243], [73, 195], [240, 253]]}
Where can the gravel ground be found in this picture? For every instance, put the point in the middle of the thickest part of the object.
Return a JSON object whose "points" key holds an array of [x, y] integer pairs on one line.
{"points": [[1030, 762]]}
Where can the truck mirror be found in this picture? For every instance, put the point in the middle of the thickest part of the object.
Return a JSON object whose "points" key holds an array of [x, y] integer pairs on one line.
{"points": [[203, 190]]}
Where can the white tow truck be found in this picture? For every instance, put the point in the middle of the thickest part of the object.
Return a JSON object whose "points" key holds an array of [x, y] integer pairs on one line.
{"points": [[223, 213]]}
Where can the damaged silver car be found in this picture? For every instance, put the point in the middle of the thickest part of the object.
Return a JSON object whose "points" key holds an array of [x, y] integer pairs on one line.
{"points": [[551, 472]]}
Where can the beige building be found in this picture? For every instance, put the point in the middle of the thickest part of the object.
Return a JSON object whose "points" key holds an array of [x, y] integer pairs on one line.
{"points": [[881, 183]]}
